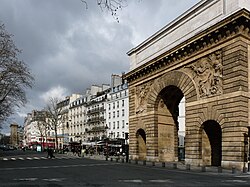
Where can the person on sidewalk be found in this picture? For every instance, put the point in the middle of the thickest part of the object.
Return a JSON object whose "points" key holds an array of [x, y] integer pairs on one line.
{"points": [[50, 153]]}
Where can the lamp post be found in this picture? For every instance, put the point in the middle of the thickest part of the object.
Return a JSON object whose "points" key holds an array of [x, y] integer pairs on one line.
{"points": [[126, 146]]}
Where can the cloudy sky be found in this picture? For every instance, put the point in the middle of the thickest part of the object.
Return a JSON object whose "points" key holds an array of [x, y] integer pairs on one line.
{"points": [[68, 47]]}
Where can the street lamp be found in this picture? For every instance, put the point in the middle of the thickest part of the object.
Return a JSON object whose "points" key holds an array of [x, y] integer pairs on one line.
{"points": [[126, 146]]}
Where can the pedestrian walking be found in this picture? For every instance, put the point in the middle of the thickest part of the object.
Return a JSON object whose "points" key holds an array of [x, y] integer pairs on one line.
{"points": [[50, 153]]}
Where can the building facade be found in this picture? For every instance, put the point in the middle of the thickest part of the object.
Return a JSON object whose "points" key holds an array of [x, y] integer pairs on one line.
{"points": [[117, 109], [96, 115], [37, 131]]}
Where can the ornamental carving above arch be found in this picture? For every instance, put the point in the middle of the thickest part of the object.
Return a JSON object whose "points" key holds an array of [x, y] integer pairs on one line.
{"points": [[207, 74], [142, 92]]}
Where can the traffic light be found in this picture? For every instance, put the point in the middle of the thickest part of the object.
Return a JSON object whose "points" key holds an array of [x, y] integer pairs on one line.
{"points": [[126, 136]]}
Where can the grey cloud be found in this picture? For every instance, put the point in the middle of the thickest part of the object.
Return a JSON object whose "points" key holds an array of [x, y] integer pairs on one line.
{"points": [[68, 45]]}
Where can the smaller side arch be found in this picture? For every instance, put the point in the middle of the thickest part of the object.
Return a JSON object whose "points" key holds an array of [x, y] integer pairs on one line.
{"points": [[211, 143], [141, 144]]}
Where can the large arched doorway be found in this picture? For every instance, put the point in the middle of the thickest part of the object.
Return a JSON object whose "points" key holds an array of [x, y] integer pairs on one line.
{"points": [[168, 125], [141, 142], [211, 143]]}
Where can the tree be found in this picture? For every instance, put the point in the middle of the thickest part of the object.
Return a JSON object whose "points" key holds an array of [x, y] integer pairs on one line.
{"points": [[40, 117], [15, 76], [54, 115]]}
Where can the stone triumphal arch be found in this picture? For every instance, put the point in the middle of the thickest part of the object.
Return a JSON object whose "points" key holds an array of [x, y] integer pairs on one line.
{"points": [[204, 57]]}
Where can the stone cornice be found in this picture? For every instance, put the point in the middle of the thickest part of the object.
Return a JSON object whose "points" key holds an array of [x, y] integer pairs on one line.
{"points": [[237, 23]]}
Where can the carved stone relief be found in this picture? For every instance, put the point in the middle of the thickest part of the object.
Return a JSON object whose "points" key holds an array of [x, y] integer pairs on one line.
{"points": [[207, 74], [142, 92]]}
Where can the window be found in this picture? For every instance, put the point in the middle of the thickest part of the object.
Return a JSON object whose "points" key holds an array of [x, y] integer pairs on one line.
{"points": [[123, 112], [117, 104], [118, 135], [117, 124], [122, 103], [113, 125], [113, 105], [114, 114], [118, 113], [123, 123], [109, 115], [109, 125], [109, 106]]}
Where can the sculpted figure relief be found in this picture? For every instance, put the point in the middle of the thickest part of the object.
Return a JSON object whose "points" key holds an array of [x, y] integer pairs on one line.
{"points": [[141, 95], [208, 74]]}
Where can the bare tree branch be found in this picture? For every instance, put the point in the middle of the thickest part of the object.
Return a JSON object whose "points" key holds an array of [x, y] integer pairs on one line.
{"points": [[111, 6], [54, 116], [15, 76]]}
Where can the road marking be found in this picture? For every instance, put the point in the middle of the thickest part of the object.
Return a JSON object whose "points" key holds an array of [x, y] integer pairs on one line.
{"points": [[131, 180], [26, 179], [161, 181], [54, 180], [237, 181], [243, 176]]}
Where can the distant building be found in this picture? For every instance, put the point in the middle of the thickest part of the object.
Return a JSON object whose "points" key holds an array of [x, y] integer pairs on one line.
{"points": [[14, 134], [63, 123], [117, 109], [77, 118], [96, 115], [37, 131]]}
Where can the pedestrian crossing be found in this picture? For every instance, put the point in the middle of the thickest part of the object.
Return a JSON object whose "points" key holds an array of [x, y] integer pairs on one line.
{"points": [[37, 158]]}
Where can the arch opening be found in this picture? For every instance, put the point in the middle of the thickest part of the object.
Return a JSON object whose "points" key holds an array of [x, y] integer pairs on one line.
{"points": [[211, 143], [170, 132], [141, 142]]}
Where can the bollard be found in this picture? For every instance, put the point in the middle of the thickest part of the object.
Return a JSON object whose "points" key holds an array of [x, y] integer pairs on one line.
{"points": [[219, 169], [163, 164], [244, 169], [153, 163], [144, 162], [174, 166], [111, 159], [233, 170], [106, 158], [203, 168], [129, 161], [123, 160], [117, 159], [188, 167], [136, 161]]}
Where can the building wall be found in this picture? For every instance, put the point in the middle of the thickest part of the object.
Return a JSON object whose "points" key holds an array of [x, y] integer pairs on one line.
{"points": [[117, 112]]}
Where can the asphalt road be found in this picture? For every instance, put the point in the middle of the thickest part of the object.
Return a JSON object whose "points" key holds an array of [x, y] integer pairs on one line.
{"points": [[75, 171]]}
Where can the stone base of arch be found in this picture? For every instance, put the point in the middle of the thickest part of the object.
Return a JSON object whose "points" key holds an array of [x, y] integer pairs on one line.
{"points": [[194, 162], [153, 158]]}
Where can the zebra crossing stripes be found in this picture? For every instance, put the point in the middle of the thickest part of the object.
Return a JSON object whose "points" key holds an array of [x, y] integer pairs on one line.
{"points": [[36, 158]]}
